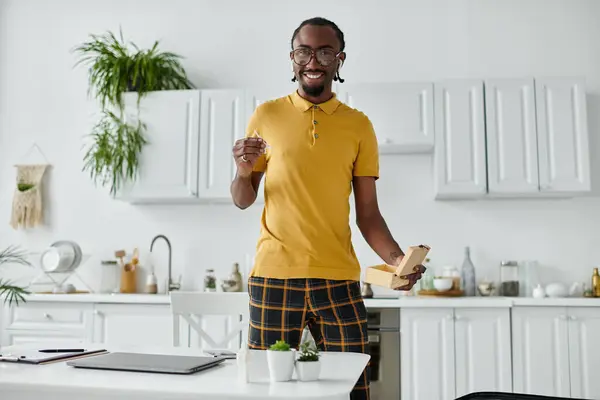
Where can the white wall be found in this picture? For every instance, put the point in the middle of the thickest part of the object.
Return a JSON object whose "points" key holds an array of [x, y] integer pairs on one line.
{"points": [[238, 43]]}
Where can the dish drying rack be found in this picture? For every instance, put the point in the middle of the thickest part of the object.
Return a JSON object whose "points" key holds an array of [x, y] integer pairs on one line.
{"points": [[46, 282]]}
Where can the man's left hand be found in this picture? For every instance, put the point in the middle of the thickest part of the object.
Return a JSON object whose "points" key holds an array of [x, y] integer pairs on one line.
{"points": [[413, 278]]}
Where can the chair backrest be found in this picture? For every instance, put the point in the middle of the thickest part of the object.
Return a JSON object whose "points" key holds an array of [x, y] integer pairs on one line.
{"points": [[219, 319]]}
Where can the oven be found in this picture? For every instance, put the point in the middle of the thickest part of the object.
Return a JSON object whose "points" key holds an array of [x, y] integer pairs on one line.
{"points": [[384, 341]]}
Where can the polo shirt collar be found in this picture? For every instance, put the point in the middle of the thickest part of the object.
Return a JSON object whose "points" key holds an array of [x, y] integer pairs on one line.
{"points": [[303, 105]]}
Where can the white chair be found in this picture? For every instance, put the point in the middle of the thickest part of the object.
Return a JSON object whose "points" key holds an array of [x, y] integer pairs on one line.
{"points": [[193, 307]]}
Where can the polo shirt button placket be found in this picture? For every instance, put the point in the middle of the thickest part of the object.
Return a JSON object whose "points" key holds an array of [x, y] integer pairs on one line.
{"points": [[315, 134]]}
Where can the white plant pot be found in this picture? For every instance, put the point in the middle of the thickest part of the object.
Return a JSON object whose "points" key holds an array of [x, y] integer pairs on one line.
{"points": [[281, 365], [308, 370]]}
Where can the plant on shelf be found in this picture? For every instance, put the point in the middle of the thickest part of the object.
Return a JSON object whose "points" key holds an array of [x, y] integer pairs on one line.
{"points": [[9, 291], [116, 69], [280, 359], [308, 367]]}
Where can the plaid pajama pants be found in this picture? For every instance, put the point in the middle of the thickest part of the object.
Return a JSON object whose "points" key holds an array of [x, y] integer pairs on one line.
{"points": [[333, 311]]}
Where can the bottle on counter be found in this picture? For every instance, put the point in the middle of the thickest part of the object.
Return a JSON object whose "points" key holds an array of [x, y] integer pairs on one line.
{"points": [[236, 276], [467, 274], [595, 283]]}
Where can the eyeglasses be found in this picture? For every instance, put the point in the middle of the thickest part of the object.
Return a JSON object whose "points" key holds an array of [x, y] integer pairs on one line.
{"points": [[325, 57]]}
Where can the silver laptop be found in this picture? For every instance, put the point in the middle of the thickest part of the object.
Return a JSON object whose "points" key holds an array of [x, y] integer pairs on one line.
{"points": [[161, 363]]}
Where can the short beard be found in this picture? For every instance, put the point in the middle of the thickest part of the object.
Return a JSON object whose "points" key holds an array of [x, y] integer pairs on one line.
{"points": [[314, 91]]}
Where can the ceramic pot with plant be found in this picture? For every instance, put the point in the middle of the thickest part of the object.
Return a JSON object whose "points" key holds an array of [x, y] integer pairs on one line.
{"points": [[308, 365], [280, 359]]}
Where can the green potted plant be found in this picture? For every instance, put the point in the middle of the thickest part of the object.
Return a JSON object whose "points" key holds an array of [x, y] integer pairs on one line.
{"points": [[308, 365], [115, 69], [12, 293], [280, 359]]}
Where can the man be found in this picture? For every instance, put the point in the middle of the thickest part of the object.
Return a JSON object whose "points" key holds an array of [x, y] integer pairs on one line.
{"points": [[313, 151]]}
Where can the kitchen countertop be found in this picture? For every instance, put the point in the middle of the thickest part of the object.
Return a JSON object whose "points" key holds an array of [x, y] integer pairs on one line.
{"points": [[401, 302]]}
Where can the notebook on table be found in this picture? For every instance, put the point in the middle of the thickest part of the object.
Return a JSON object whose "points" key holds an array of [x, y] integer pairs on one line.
{"points": [[140, 362], [46, 356]]}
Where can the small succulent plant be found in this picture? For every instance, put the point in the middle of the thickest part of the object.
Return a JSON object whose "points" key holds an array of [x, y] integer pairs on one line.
{"points": [[308, 352], [280, 345]]}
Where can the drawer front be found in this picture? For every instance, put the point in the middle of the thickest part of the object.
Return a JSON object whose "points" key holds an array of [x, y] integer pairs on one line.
{"points": [[49, 316], [51, 338]]}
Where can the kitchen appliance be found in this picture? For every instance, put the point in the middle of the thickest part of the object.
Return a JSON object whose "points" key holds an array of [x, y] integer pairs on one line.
{"points": [[384, 341]]}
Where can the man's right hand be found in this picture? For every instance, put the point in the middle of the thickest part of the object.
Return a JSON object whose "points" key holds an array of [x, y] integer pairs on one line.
{"points": [[245, 153]]}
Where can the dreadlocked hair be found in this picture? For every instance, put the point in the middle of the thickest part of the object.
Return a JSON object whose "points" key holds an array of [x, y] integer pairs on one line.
{"points": [[319, 21]]}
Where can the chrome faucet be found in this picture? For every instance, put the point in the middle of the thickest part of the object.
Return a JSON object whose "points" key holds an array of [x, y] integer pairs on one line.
{"points": [[170, 284]]}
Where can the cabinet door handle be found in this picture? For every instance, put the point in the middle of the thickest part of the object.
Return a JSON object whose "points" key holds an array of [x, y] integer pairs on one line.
{"points": [[47, 316], [457, 317], [573, 318], [96, 312]]}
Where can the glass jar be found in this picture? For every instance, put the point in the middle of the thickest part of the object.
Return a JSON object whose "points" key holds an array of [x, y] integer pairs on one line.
{"points": [[509, 279], [210, 281], [110, 277]]}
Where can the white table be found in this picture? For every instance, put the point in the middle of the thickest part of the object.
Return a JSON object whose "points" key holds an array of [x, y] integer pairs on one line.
{"points": [[339, 373]]}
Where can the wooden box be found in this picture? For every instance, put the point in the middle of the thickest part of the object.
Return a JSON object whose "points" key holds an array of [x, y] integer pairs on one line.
{"points": [[392, 277]]}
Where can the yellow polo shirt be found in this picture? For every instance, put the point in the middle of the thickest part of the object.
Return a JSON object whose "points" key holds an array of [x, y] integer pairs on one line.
{"points": [[315, 150]]}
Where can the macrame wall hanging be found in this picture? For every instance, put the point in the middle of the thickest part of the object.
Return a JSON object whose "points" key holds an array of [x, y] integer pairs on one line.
{"points": [[27, 206]]}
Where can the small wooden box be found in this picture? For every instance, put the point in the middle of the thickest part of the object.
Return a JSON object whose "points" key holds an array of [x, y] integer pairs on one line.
{"points": [[391, 277]]}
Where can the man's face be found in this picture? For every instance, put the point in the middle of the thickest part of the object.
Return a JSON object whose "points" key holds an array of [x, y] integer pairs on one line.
{"points": [[314, 77]]}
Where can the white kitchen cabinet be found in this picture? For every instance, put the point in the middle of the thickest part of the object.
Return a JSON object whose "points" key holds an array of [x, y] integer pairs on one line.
{"points": [[512, 150], [459, 154], [169, 162], [554, 351], [532, 141], [53, 322], [135, 324], [563, 142], [584, 352], [221, 124], [449, 352], [401, 113], [482, 341], [427, 354]]}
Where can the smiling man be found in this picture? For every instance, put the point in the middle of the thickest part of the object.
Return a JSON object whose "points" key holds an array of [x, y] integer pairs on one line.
{"points": [[313, 151]]}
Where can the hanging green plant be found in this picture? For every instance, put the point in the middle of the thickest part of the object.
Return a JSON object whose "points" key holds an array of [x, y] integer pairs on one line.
{"points": [[115, 69], [112, 157]]}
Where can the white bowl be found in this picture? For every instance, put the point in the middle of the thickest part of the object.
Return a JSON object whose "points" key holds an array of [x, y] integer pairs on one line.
{"points": [[442, 284]]}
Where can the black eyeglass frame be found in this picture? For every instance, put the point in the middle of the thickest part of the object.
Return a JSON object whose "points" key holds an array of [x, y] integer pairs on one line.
{"points": [[313, 55]]}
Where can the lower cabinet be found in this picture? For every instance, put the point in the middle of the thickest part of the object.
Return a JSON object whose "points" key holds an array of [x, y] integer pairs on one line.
{"points": [[447, 353], [51, 322], [113, 324], [556, 352], [133, 324]]}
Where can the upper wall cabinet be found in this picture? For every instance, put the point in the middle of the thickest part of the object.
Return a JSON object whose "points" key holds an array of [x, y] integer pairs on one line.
{"points": [[190, 135], [459, 155], [534, 141], [512, 153], [401, 113], [169, 161], [563, 135], [221, 124]]}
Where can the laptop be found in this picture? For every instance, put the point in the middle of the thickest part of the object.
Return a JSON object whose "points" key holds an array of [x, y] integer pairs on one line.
{"points": [[139, 362]]}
